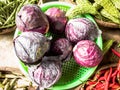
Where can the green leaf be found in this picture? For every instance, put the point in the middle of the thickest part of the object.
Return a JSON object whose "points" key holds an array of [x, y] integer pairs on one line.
{"points": [[107, 45]]}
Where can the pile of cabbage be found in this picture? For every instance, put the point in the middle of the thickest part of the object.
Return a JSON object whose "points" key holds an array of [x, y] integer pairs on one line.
{"points": [[48, 39]]}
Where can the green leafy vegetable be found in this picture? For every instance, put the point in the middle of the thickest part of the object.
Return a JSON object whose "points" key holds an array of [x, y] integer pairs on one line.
{"points": [[109, 16], [107, 45], [109, 7], [82, 7], [116, 3], [8, 11]]}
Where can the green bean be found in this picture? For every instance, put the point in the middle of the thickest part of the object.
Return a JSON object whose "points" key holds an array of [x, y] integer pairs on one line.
{"points": [[1, 86], [8, 76], [8, 11], [0, 73], [3, 1], [33, 1], [2, 4], [21, 4], [12, 83], [1, 23], [2, 19], [7, 26], [17, 74], [7, 86], [2, 11], [8, 20], [8, 6], [5, 9], [5, 81]]}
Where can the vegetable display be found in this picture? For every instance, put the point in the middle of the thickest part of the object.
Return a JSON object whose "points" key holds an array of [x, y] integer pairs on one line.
{"points": [[63, 48], [81, 29], [57, 20], [87, 53], [10, 80], [102, 79], [105, 10], [82, 7], [105, 78], [31, 46], [44, 53], [46, 73], [31, 18], [8, 11]]}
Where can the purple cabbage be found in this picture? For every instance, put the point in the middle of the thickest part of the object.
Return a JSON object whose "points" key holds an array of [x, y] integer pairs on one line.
{"points": [[57, 20], [47, 73], [87, 53], [30, 47], [62, 47], [81, 29], [31, 18]]}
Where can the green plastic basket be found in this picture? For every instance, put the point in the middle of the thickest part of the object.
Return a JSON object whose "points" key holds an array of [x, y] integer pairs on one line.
{"points": [[72, 74]]}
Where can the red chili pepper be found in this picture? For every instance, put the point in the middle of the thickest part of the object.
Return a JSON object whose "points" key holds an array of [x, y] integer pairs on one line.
{"points": [[101, 78], [90, 87], [107, 79], [118, 77], [90, 82], [100, 85], [114, 73], [115, 86], [98, 74], [118, 66], [106, 74], [113, 81], [99, 89], [115, 52]]}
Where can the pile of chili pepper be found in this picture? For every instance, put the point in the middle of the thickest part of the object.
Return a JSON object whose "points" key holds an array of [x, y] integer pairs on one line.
{"points": [[106, 78]]}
